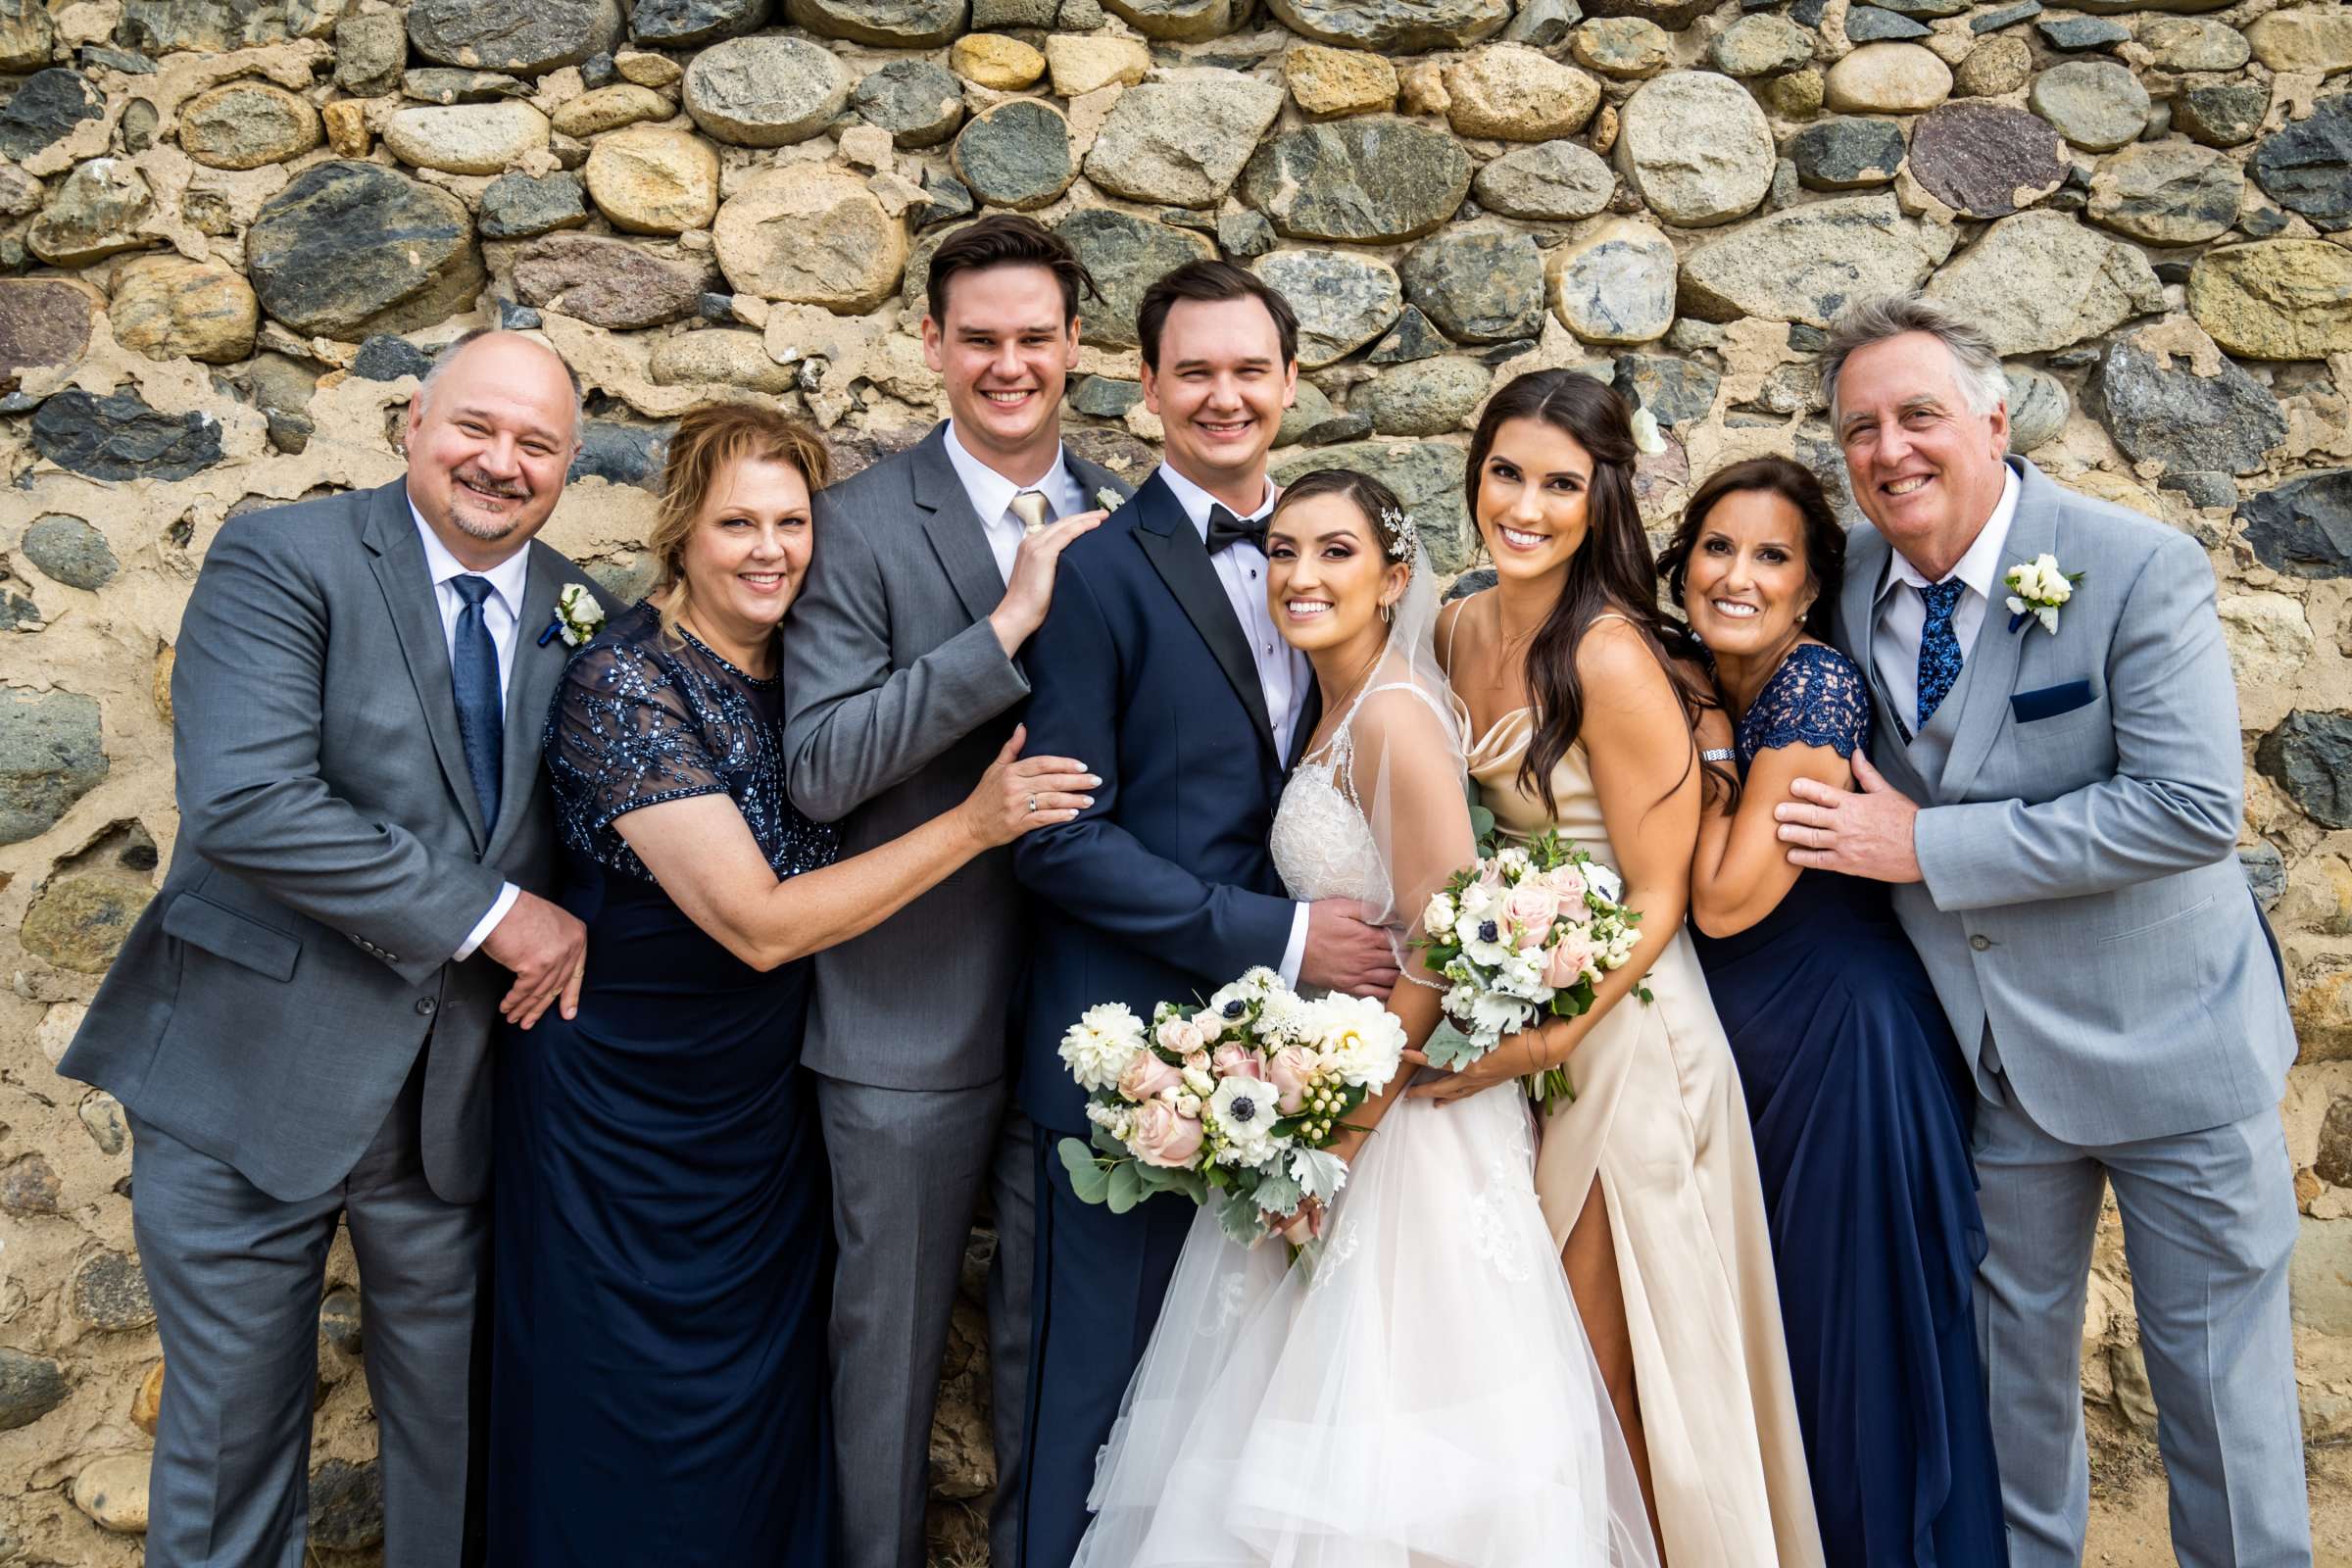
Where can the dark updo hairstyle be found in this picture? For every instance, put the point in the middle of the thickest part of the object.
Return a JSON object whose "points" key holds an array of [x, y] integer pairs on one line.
{"points": [[1611, 573], [1370, 497], [1792, 482]]}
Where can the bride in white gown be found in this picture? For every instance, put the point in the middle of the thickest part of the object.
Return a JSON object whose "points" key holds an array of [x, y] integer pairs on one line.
{"points": [[1418, 1390]]}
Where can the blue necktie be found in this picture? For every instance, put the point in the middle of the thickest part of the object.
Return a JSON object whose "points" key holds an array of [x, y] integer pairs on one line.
{"points": [[473, 678], [1939, 646]]}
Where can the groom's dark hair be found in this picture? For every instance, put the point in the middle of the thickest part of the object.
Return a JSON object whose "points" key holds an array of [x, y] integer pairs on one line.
{"points": [[1209, 282]]}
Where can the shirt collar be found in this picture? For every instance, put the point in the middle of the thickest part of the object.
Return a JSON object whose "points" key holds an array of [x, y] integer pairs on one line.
{"points": [[505, 578], [1195, 501], [990, 491], [1981, 566]]}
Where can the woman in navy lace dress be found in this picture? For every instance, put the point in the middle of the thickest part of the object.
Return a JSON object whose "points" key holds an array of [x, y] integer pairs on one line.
{"points": [[658, 1368], [1857, 1092]]}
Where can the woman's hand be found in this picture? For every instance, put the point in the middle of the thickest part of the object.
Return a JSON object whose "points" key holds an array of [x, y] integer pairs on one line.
{"points": [[1029, 591], [1515, 1056], [1299, 1227], [1019, 792]]}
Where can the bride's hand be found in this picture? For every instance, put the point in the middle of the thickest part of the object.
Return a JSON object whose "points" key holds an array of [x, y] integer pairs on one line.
{"points": [[1299, 1227], [1515, 1056], [1014, 796]]}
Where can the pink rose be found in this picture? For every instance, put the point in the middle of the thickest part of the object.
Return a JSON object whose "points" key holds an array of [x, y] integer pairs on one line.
{"points": [[1567, 963], [1182, 1036], [1491, 873], [1147, 1075], [1532, 907], [1196, 1061], [1568, 884], [1162, 1137], [1292, 1069], [1238, 1061]]}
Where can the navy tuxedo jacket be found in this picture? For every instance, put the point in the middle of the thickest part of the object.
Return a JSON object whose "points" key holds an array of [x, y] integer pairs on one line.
{"points": [[1164, 889]]}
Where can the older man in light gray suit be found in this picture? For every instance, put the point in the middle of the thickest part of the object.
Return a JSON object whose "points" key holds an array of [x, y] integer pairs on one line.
{"points": [[902, 680], [2057, 799], [299, 1025]]}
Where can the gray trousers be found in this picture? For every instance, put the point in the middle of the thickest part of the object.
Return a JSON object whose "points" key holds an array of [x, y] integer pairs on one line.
{"points": [[2209, 1220], [907, 1169], [236, 1276]]}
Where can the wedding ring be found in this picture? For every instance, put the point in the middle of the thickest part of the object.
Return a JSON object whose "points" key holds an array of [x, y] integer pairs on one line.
{"points": [[1033, 806]]}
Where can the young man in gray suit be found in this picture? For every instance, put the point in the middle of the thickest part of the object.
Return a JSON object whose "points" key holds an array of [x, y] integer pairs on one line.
{"points": [[902, 680], [299, 1025], [2057, 799]]}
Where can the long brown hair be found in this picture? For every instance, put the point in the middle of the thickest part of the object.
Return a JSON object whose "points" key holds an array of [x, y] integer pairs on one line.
{"points": [[1612, 572]]}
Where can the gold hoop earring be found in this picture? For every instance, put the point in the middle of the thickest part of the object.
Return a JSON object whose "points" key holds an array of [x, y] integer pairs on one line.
{"points": [[1388, 613]]}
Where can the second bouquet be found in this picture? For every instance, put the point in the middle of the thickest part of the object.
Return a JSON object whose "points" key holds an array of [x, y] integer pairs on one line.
{"points": [[1235, 1102]]}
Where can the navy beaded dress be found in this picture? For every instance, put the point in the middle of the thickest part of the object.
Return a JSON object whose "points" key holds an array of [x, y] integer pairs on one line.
{"points": [[658, 1379], [1862, 1107]]}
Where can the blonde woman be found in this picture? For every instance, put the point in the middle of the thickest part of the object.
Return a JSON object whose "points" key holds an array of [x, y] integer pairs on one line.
{"points": [[660, 1373]]}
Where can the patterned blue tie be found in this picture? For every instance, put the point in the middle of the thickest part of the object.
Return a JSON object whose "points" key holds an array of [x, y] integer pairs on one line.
{"points": [[1939, 646], [473, 679]]}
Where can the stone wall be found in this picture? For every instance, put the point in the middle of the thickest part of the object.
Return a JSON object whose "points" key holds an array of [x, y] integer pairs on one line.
{"points": [[235, 231]]}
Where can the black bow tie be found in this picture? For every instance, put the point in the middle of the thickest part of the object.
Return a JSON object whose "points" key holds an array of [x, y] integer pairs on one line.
{"points": [[1224, 530]]}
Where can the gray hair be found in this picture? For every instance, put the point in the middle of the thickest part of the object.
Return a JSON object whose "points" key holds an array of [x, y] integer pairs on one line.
{"points": [[1976, 363], [471, 335]]}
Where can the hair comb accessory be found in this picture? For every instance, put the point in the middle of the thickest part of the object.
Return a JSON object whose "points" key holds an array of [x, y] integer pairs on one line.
{"points": [[1395, 533]]}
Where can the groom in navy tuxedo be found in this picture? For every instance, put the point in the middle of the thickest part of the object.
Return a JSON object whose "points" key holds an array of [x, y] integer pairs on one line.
{"points": [[1159, 665]]}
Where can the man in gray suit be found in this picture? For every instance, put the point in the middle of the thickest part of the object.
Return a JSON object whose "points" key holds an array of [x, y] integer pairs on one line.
{"points": [[902, 680], [2068, 873], [299, 1025]]}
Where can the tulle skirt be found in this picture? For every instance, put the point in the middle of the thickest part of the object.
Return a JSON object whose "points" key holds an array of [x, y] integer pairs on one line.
{"points": [[1416, 1391]]}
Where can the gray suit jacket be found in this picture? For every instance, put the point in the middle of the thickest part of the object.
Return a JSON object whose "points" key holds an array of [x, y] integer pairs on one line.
{"points": [[897, 698], [2081, 892], [269, 1003]]}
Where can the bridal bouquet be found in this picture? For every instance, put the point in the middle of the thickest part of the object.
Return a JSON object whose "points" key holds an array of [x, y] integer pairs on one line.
{"points": [[1235, 1102], [1520, 933]]}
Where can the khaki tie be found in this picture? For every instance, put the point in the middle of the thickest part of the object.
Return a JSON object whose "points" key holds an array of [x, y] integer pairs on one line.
{"points": [[1030, 507]]}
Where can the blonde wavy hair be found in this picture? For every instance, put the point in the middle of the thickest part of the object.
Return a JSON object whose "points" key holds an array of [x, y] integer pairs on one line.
{"points": [[710, 437]]}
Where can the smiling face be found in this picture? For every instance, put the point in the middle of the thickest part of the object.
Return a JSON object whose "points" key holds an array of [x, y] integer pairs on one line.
{"points": [[1748, 586], [1326, 575], [1219, 389], [1005, 351], [488, 444], [1926, 469], [747, 551], [1534, 492]]}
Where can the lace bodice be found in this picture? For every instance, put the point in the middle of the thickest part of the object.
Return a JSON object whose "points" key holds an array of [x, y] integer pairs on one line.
{"points": [[639, 719], [1322, 842], [1816, 698]]}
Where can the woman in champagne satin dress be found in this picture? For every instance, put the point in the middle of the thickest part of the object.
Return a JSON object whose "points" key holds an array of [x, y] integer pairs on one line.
{"points": [[1580, 720]]}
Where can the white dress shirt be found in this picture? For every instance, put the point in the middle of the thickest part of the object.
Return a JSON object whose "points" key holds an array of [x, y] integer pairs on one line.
{"points": [[502, 615], [1902, 616], [992, 496], [1282, 671]]}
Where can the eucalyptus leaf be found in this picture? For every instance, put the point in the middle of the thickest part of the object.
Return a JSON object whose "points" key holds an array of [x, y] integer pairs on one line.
{"points": [[1126, 1187]]}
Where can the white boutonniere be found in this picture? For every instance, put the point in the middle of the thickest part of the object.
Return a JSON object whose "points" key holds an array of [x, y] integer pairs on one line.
{"points": [[2037, 588], [1109, 500], [576, 619]]}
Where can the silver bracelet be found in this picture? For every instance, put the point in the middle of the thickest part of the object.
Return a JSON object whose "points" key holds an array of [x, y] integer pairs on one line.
{"points": [[1718, 754]]}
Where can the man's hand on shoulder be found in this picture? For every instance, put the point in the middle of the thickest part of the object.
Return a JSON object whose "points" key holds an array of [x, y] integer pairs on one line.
{"points": [[1345, 952], [1029, 592], [548, 951]]}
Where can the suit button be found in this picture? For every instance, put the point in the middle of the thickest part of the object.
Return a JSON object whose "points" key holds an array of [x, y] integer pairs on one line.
{"points": [[1980, 943], [424, 1006]]}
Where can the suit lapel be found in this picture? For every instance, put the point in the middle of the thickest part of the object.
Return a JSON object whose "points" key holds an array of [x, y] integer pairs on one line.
{"points": [[406, 584], [1866, 561], [959, 538], [1176, 553], [1092, 479], [1311, 713], [530, 683], [1993, 661]]}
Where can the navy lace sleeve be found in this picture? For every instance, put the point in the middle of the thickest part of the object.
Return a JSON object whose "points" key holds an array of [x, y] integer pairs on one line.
{"points": [[637, 721], [1816, 698]]}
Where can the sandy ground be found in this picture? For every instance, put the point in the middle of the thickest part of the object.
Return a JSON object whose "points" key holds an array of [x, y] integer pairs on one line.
{"points": [[2127, 1523]]}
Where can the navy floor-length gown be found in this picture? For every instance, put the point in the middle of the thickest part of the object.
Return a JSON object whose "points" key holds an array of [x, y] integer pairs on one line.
{"points": [[658, 1378], [1862, 1105]]}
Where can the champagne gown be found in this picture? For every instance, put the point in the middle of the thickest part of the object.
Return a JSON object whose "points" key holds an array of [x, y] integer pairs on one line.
{"points": [[1659, 1121]]}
